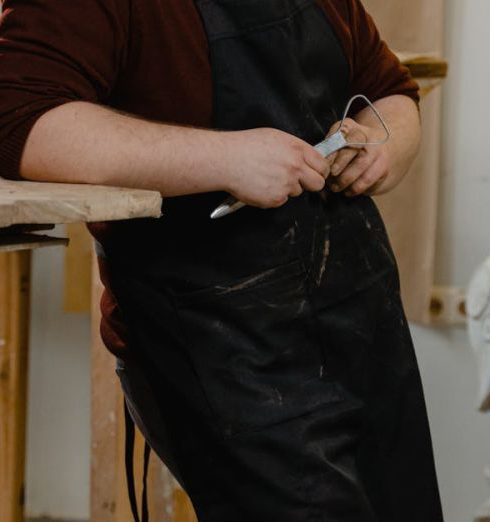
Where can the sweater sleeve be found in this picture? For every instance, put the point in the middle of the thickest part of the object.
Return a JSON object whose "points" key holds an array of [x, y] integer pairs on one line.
{"points": [[53, 52], [376, 70]]}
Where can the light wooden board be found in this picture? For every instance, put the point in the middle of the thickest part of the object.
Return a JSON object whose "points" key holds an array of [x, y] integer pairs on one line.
{"points": [[29, 202], [77, 269], [410, 211], [14, 332], [107, 502], [424, 65]]}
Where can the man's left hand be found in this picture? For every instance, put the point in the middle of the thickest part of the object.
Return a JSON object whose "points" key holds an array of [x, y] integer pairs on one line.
{"points": [[358, 170]]}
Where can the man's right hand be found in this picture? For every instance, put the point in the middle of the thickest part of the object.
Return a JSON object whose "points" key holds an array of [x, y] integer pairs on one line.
{"points": [[264, 167]]}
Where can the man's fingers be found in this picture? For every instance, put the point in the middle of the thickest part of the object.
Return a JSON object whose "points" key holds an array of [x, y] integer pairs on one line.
{"points": [[352, 172], [369, 180], [334, 128], [343, 160], [317, 162], [311, 180], [296, 190], [353, 134]]}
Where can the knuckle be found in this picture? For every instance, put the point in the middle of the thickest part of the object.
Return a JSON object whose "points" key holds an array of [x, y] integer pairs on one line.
{"points": [[297, 147], [363, 161], [325, 166], [369, 179], [348, 179], [295, 167], [359, 187]]}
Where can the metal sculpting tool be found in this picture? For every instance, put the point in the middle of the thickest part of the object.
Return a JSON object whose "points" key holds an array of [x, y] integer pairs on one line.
{"points": [[329, 145]]}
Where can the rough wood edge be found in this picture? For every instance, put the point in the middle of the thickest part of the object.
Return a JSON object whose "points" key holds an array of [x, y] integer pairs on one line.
{"points": [[59, 203]]}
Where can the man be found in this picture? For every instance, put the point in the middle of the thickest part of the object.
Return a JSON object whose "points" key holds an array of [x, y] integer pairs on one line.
{"points": [[265, 356]]}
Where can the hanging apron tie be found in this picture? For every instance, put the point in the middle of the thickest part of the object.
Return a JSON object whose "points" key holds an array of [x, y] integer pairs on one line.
{"points": [[130, 436]]}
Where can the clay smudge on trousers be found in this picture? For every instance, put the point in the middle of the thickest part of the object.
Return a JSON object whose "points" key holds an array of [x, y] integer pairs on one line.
{"points": [[245, 284], [275, 397], [290, 235], [323, 266], [301, 307], [279, 397]]}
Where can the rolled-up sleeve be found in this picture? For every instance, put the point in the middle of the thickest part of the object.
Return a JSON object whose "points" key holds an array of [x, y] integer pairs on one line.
{"points": [[376, 70], [53, 52]]}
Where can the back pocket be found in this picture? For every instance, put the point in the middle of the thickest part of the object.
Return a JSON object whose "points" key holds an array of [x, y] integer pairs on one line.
{"points": [[255, 350]]}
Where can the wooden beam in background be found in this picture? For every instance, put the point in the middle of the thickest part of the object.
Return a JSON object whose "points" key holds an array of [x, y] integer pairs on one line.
{"points": [[107, 467], [78, 270], [15, 271]]}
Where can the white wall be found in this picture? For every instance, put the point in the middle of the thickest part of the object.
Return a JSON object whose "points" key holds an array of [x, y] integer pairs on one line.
{"points": [[461, 435], [58, 452]]}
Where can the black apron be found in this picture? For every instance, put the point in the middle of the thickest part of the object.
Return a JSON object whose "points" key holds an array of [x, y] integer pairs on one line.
{"points": [[271, 365]]}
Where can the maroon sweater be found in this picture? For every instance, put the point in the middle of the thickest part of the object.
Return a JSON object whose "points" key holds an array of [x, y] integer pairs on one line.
{"points": [[146, 57]]}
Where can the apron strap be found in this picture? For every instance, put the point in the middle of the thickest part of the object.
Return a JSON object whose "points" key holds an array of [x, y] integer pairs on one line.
{"points": [[129, 460], [144, 500]]}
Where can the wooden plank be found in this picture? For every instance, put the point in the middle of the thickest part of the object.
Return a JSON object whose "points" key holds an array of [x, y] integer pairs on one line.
{"points": [[29, 242], [410, 211], [78, 270], [424, 65], [107, 471], [29, 202], [14, 333]]}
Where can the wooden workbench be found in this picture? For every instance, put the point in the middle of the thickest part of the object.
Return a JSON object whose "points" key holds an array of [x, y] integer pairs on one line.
{"points": [[24, 208]]}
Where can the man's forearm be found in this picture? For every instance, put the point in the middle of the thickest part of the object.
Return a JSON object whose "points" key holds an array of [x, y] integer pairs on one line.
{"points": [[403, 120], [85, 143]]}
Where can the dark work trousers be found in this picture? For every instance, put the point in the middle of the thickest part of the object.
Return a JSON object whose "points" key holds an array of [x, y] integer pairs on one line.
{"points": [[270, 365]]}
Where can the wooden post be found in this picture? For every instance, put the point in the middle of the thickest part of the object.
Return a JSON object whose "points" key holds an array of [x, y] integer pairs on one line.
{"points": [[107, 500], [14, 337]]}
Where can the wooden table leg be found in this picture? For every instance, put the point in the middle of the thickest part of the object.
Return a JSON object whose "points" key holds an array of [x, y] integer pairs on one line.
{"points": [[14, 337]]}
